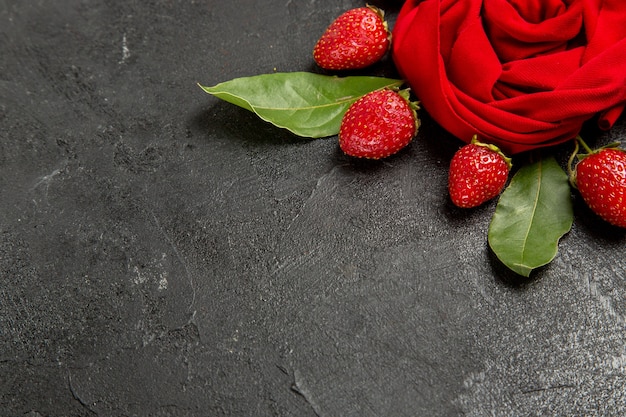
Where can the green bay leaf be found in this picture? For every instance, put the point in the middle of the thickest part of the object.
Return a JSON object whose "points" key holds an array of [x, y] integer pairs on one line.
{"points": [[531, 216], [307, 104]]}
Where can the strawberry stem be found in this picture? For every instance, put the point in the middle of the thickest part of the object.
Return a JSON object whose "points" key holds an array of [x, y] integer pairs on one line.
{"points": [[571, 172], [493, 148], [413, 105], [579, 140]]}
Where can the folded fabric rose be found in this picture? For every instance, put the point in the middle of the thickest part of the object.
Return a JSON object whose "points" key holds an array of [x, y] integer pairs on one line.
{"points": [[522, 74]]}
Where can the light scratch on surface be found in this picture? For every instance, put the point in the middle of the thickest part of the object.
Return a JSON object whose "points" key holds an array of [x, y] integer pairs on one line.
{"points": [[543, 389], [46, 180], [299, 387], [78, 398], [125, 50], [314, 192], [296, 262], [606, 302], [180, 259]]}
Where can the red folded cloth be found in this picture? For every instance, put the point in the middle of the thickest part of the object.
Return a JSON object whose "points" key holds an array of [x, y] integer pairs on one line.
{"points": [[522, 74]]}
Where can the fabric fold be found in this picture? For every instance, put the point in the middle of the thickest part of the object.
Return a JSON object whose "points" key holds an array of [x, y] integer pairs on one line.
{"points": [[520, 74]]}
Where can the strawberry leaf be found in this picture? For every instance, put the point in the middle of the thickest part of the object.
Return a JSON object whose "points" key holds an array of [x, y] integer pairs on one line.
{"points": [[307, 104], [533, 213]]}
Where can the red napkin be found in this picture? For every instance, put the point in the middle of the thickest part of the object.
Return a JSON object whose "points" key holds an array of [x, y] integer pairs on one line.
{"points": [[522, 74]]}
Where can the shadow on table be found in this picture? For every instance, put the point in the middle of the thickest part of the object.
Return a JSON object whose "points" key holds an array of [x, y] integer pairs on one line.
{"points": [[225, 120], [599, 230], [510, 278]]}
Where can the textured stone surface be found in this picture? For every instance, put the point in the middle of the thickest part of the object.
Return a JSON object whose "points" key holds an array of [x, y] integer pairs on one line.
{"points": [[163, 253]]}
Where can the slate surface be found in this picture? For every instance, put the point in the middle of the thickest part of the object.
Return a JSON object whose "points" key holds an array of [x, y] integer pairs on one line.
{"points": [[163, 253]]}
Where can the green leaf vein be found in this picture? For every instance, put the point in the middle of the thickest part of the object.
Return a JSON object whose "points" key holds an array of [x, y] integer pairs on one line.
{"points": [[533, 213], [307, 104]]}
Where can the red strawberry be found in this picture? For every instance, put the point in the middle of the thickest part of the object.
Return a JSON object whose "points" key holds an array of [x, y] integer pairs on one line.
{"points": [[356, 39], [478, 173], [600, 177], [378, 124]]}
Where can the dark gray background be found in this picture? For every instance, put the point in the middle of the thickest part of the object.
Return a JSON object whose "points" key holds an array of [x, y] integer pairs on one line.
{"points": [[163, 253]]}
